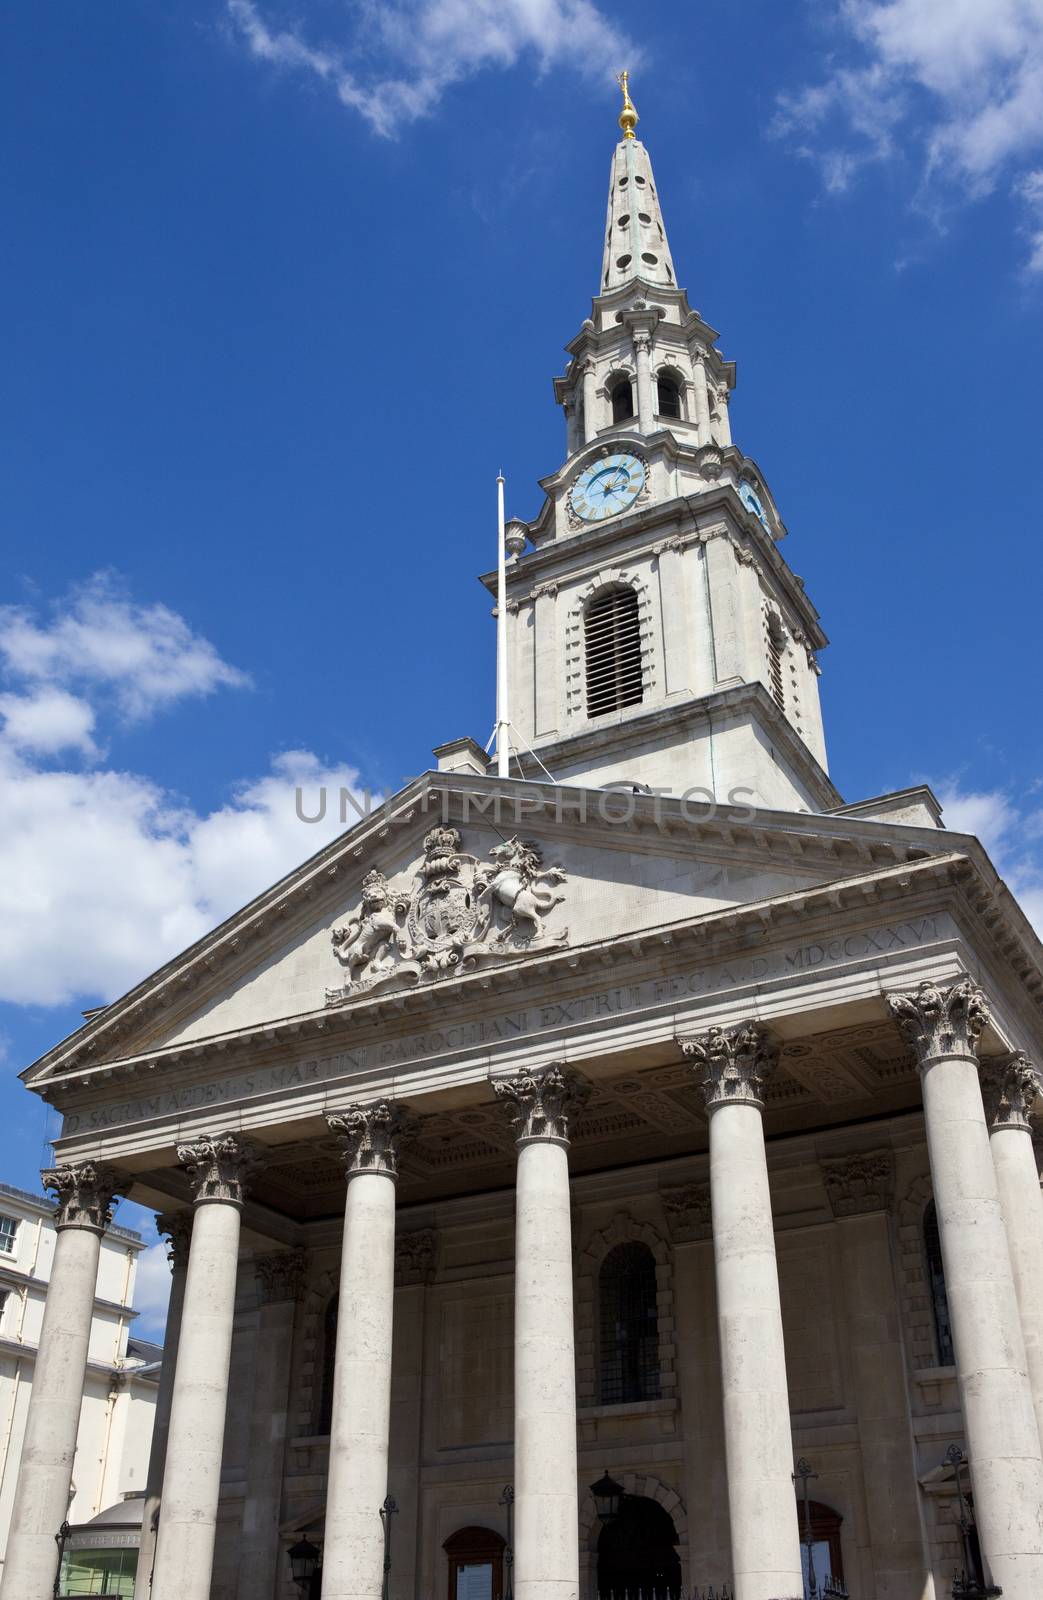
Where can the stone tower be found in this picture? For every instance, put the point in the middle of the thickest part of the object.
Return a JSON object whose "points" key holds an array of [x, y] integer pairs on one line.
{"points": [[655, 632]]}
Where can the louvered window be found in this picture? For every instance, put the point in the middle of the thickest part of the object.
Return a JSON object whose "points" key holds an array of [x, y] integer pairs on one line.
{"points": [[668, 398], [613, 651], [776, 646]]}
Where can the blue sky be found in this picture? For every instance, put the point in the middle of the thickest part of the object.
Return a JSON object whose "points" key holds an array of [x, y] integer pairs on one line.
{"points": [[285, 287]]}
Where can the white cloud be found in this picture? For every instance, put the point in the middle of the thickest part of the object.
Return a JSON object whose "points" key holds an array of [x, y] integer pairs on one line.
{"points": [[151, 1291], [405, 56], [1012, 833], [145, 657], [48, 721], [956, 83], [104, 875]]}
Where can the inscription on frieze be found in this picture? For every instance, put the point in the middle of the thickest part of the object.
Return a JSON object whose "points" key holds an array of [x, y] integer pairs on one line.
{"points": [[465, 1037]]}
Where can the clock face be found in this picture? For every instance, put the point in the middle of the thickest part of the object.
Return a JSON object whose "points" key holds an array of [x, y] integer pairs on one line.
{"points": [[752, 501], [607, 486]]}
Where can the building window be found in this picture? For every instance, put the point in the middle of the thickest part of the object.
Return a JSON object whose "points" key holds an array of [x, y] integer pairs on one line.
{"points": [[622, 397], [668, 397], [329, 1361], [824, 1555], [629, 1326], [776, 642], [8, 1234], [612, 636], [475, 1564], [936, 1284]]}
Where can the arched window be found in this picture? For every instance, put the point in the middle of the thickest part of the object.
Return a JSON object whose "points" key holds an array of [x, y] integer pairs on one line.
{"points": [[475, 1564], [825, 1553], [329, 1357], [668, 396], [612, 639], [637, 1553], [932, 1246], [622, 397], [776, 640], [629, 1326]]}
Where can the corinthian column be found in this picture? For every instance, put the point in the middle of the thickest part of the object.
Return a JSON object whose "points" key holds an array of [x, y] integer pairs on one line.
{"points": [[943, 1027], [353, 1553], [1009, 1087], [540, 1106], [590, 401], [218, 1166], [643, 362], [733, 1067], [177, 1225], [84, 1211]]}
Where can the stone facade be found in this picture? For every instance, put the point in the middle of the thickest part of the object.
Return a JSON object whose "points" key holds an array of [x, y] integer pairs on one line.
{"points": [[532, 1131]]}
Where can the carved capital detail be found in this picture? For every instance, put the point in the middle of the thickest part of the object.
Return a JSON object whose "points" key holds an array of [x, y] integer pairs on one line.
{"points": [[544, 1104], [370, 1136], [415, 1256], [1009, 1086], [177, 1225], [687, 1212], [84, 1193], [280, 1276], [219, 1166], [859, 1183], [733, 1065], [941, 1022]]}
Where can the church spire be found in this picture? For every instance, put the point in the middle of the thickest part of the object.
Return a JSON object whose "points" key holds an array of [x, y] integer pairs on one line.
{"points": [[635, 239]]}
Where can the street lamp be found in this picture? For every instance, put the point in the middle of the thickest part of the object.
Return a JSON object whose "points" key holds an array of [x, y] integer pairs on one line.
{"points": [[966, 1585], [608, 1496], [507, 1499], [387, 1511], [304, 1562]]}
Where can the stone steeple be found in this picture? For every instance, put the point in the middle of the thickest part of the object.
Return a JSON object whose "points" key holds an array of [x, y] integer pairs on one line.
{"points": [[655, 632], [635, 236]]}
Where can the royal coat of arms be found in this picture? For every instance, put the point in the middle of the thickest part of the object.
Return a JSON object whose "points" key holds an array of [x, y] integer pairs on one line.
{"points": [[460, 911]]}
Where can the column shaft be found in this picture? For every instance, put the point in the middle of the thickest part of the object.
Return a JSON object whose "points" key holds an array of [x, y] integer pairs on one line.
{"points": [[192, 1478], [42, 1494], [645, 403], [161, 1421], [45, 1470], [1010, 1088], [991, 1368], [757, 1438], [546, 1562], [353, 1553], [590, 402], [702, 400]]}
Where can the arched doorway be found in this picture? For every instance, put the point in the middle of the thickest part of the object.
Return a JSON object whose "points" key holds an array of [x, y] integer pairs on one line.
{"points": [[637, 1553]]}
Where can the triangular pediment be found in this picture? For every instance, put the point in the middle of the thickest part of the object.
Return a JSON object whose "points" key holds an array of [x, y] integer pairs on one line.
{"points": [[460, 874]]}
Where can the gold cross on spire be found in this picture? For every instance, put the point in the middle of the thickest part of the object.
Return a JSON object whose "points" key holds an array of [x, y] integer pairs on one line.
{"points": [[628, 115]]}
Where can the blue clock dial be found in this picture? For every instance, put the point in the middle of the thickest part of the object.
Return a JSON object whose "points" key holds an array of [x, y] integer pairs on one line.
{"points": [[752, 501], [608, 486]]}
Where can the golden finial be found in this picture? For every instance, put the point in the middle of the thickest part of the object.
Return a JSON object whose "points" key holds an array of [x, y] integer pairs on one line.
{"points": [[628, 115]]}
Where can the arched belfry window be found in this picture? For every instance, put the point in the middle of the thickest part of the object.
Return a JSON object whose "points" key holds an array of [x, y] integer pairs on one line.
{"points": [[932, 1246], [622, 396], [668, 396], [612, 641], [629, 1325], [329, 1356], [775, 635]]}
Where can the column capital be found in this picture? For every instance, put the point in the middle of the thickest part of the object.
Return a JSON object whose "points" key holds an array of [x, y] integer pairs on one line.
{"points": [[177, 1225], [219, 1166], [1009, 1086], [733, 1065], [542, 1104], [280, 1276], [860, 1183], [941, 1022], [84, 1193], [369, 1136]]}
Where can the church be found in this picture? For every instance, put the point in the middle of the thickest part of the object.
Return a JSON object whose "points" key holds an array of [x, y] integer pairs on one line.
{"points": [[605, 1172]]}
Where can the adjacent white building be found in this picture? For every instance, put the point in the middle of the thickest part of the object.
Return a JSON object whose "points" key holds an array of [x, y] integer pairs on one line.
{"points": [[119, 1392]]}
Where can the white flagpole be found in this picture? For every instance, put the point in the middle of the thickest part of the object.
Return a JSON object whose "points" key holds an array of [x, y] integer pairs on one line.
{"points": [[503, 743]]}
